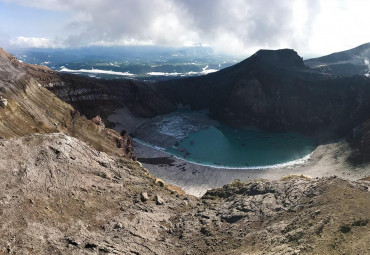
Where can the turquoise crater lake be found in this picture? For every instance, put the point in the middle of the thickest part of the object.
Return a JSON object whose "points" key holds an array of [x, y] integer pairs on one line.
{"points": [[195, 137], [225, 146]]}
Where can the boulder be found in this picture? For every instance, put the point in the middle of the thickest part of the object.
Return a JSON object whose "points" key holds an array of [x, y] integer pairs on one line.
{"points": [[3, 102], [159, 200], [144, 196], [159, 182], [98, 121]]}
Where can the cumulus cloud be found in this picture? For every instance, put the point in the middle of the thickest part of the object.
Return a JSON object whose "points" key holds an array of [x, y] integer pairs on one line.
{"points": [[35, 42], [241, 24], [237, 26]]}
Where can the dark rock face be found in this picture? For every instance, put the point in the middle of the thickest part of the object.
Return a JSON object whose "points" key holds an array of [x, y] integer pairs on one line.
{"points": [[360, 142], [91, 96], [274, 90]]}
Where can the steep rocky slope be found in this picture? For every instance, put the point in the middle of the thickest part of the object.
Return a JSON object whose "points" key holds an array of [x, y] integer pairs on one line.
{"points": [[59, 196], [345, 63], [92, 96], [274, 90], [29, 108]]}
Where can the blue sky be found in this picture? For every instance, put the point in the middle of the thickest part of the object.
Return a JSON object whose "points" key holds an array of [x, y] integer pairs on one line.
{"points": [[238, 27], [17, 20]]}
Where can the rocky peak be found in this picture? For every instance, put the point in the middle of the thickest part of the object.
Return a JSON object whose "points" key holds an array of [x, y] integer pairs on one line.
{"points": [[282, 57]]}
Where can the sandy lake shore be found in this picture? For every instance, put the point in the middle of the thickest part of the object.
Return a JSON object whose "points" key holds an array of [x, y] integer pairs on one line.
{"points": [[326, 160]]}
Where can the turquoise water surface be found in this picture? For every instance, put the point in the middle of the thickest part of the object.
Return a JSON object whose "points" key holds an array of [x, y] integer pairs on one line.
{"points": [[229, 147]]}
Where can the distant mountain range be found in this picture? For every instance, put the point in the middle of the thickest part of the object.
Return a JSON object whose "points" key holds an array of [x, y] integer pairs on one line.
{"points": [[135, 62]]}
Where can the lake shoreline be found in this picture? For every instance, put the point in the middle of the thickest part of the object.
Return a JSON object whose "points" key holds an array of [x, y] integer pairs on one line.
{"points": [[326, 160], [291, 163]]}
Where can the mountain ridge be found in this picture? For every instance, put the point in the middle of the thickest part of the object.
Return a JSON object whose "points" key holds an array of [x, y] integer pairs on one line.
{"points": [[350, 62]]}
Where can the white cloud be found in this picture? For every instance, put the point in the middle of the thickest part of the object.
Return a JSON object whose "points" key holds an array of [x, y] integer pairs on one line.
{"points": [[341, 25], [43, 4], [312, 27], [122, 42], [34, 42]]}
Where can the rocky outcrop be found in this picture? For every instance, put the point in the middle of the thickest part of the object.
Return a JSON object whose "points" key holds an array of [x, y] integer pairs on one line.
{"points": [[124, 142], [61, 196]]}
